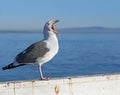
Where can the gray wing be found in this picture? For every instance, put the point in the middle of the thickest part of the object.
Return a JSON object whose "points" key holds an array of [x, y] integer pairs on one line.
{"points": [[34, 51]]}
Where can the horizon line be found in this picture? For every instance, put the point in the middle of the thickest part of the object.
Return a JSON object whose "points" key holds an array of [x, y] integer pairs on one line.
{"points": [[40, 30]]}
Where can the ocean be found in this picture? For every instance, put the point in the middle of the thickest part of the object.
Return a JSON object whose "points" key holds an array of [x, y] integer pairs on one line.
{"points": [[79, 54]]}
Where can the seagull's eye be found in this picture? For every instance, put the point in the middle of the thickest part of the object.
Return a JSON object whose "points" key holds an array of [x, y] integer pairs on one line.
{"points": [[48, 23]]}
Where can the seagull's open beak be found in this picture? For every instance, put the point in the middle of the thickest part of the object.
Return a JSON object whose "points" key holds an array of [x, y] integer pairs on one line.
{"points": [[55, 31]]}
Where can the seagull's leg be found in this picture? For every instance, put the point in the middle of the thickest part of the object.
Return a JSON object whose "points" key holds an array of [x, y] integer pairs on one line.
{"points": [[40, 72]]}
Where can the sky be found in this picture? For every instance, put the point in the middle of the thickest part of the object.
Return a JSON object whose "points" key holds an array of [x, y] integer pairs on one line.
{"points": [[33, 14]]}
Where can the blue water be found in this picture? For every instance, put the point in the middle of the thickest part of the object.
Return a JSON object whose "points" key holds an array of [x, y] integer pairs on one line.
{"points": [[79, 54]]}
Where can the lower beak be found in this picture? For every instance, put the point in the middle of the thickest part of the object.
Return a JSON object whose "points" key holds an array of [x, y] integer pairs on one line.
{"points": [[56, 32]]}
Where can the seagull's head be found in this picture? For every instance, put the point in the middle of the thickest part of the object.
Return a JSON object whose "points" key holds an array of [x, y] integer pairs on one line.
{"points": [[49, 26]]}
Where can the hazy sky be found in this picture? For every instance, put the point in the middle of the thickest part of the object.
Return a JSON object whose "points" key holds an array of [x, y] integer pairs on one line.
{"points": [[32, 14]]}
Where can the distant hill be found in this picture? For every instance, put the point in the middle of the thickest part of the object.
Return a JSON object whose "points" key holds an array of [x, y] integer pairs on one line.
{"points": [[20, 31], [92, 29], [75, 30]]}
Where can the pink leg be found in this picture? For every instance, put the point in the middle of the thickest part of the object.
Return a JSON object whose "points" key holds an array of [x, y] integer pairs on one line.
{"points": [[40, 72]]}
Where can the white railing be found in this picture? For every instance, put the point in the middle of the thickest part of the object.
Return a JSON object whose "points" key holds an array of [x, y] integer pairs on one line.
{"points": [[84, 85]]}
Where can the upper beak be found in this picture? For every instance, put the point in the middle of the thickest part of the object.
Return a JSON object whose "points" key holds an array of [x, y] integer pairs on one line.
{"points": [[55, 31], [56, 21]]}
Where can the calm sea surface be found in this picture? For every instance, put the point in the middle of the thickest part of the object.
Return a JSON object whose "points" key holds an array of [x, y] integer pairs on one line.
{"points": [[79, 54]]}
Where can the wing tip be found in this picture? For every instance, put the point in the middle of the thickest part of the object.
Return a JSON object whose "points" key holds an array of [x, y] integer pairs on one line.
{"points": [[8, 66]]}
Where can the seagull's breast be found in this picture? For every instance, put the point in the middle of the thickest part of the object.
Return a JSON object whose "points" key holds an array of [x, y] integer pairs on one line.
{"points": [[52, 45]]}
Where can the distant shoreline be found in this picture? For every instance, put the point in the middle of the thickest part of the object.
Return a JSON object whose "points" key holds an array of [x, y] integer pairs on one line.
{"points": [[4, 31], [70, 30]]}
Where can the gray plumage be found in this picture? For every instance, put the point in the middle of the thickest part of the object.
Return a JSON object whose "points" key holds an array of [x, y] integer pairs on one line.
{"points": [[34, 51], [29, 55]]}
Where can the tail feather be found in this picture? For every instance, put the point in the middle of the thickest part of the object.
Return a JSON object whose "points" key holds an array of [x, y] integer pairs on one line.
{"points": [[10, 66]]}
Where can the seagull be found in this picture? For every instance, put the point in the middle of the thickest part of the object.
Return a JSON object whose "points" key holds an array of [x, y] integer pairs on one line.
{"points": [[40, 52]]}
